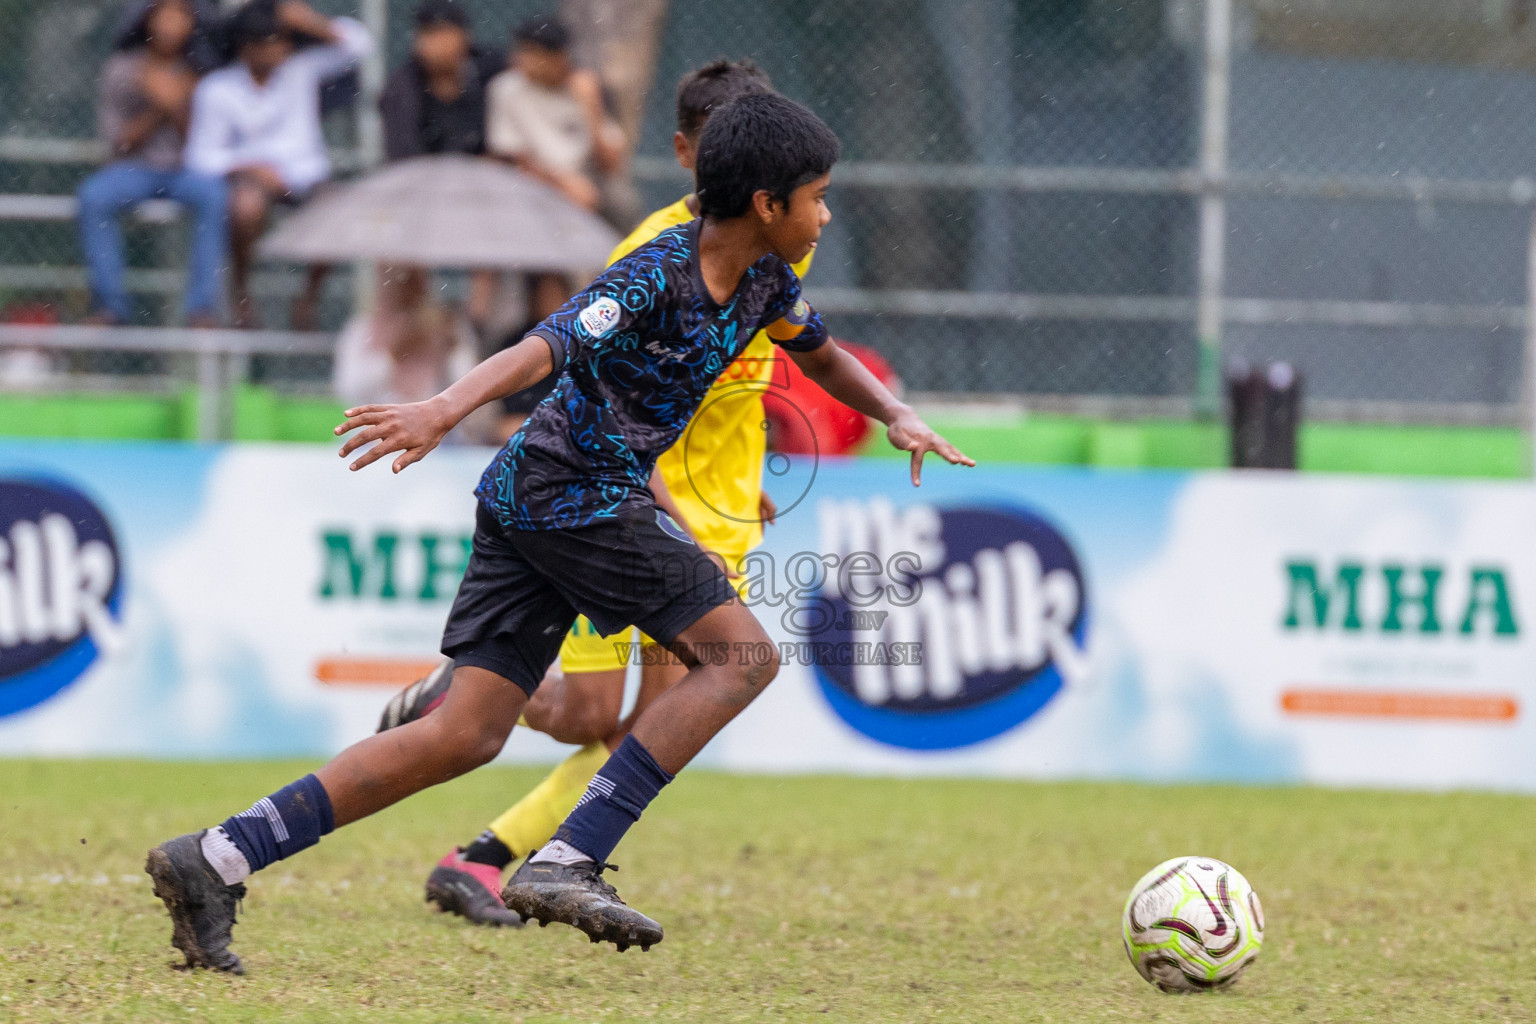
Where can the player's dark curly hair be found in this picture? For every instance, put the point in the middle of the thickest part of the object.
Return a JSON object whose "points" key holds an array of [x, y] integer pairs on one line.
{"points": [[765, 142], [705, 90]]}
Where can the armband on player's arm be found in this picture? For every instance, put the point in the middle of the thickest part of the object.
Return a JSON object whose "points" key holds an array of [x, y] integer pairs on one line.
{"points": [[800, 328]]}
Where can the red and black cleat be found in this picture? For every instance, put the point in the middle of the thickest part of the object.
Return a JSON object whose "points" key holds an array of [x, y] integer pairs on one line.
{"points": [[469, 890], [419, 699]]}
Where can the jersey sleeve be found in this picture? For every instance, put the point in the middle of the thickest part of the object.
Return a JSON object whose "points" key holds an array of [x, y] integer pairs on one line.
{"points": [[621, 297], [796, 327]]}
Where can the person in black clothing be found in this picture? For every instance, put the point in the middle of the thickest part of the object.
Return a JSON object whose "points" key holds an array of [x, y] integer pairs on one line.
{"points": [[435, 102]]}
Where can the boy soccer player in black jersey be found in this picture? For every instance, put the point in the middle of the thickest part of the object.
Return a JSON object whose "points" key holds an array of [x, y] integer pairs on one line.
{"points": [[713, 475], [566, 524]]}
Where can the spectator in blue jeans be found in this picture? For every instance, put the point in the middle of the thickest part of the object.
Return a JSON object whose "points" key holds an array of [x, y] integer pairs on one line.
{"points": [[144, 107]]}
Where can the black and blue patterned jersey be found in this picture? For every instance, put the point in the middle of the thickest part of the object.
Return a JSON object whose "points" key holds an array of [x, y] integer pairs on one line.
{"points": [[636, 352]]}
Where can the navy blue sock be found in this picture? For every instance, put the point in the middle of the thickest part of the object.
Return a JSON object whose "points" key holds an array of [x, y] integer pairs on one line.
{"points": [[614, 799], [292, 819]]}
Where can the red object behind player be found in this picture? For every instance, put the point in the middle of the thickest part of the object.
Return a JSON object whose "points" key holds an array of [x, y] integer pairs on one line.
{"points": [[805, 420]]}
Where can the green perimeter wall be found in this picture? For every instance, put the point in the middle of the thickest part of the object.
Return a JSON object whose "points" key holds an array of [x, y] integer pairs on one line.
{"points": [[262, 415]]}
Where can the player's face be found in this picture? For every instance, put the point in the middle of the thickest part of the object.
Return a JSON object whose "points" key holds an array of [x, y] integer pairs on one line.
{"points": [[686, 149], [796, 227]]}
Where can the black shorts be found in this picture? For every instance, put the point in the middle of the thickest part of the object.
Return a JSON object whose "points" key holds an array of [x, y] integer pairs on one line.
{"points": [[523, 590]]}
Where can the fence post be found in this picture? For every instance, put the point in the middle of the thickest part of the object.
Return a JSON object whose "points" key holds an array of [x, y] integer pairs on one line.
{"points": [[370, 126], [211, 382], [371, 75], [1215, 104], [1528, 374]]}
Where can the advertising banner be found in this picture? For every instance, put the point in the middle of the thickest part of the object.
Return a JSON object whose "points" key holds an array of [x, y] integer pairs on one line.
{"points": [[260, 600]]}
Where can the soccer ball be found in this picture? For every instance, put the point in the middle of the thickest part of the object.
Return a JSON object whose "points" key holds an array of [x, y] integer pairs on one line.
{"points": [[1192, 924]]}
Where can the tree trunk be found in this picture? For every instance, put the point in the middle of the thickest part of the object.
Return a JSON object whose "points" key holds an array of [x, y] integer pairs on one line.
{"points": [[618, 39]]}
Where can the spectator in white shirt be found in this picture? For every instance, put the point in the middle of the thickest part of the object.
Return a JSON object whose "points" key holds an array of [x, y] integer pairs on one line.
{"points": [[257, 122]]}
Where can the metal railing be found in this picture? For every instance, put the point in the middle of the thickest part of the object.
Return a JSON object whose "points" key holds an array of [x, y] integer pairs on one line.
{"points": [[1207, 150], [220, 356]]}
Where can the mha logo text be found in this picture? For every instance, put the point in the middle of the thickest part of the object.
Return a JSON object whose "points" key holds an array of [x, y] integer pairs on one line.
{"points": [[1430, 599], [994, 598], [60, 590]]}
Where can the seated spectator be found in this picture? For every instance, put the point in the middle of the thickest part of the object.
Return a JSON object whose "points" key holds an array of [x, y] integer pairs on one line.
{"points": [[142, 112], [407, 348], [435, 102], [257, 124], [206, 50], [546, 116]]}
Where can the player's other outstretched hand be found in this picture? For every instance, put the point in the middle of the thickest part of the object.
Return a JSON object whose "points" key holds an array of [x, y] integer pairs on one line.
{"points": [[909, 433], [413, 430]]}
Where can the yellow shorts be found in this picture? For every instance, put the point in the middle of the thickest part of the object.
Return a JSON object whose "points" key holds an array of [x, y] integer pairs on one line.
{"points": [[585, 650]]}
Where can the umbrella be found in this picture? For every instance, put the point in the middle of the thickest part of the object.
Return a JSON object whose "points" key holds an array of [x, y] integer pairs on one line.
{"points": [[445, 211]]}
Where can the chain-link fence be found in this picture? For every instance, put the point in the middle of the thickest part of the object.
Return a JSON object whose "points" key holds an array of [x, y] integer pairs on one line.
{"points": [[1081, 198], [1402, 128]]}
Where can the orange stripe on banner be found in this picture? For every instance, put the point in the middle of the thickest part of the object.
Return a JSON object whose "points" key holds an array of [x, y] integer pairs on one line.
{"points": [[1458, 707], [371, 671]]}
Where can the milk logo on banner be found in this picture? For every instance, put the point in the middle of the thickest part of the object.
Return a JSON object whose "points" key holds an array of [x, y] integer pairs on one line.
{"points": [[991, 600], [61, 590]]}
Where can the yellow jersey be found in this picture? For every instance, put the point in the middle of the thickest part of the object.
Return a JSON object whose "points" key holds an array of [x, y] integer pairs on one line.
{"points": [[715, 470]]}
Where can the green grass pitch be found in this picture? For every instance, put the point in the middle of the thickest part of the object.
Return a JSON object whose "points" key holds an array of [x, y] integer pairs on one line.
{"points": [[784, 899]]}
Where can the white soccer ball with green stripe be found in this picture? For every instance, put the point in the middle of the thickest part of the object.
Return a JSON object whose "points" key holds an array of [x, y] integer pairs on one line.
{"points": [[1192, 924]]}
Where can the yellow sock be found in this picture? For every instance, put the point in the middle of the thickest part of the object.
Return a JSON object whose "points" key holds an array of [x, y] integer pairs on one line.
{"points": [[531, 822]]}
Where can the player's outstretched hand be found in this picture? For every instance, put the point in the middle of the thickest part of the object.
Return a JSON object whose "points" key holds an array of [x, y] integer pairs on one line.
{"points": [[909, 433], [767, 511], [413, 430]]}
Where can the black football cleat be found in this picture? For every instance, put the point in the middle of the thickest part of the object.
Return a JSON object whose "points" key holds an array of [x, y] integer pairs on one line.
{"points": [[575, 894], [419, 699], [469, 890], [202, 907]]}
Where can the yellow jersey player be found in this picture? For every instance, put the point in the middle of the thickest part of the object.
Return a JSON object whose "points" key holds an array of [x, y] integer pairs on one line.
{"points": [[714, 476]]}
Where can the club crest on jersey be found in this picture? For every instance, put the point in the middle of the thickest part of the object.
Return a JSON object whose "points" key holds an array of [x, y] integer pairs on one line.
{"points": [[600, 317]]}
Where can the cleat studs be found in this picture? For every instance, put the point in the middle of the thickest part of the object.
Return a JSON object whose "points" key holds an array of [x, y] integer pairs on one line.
{"points": [[595, 939], [645, 947], [622, 946], [543, 923]]}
